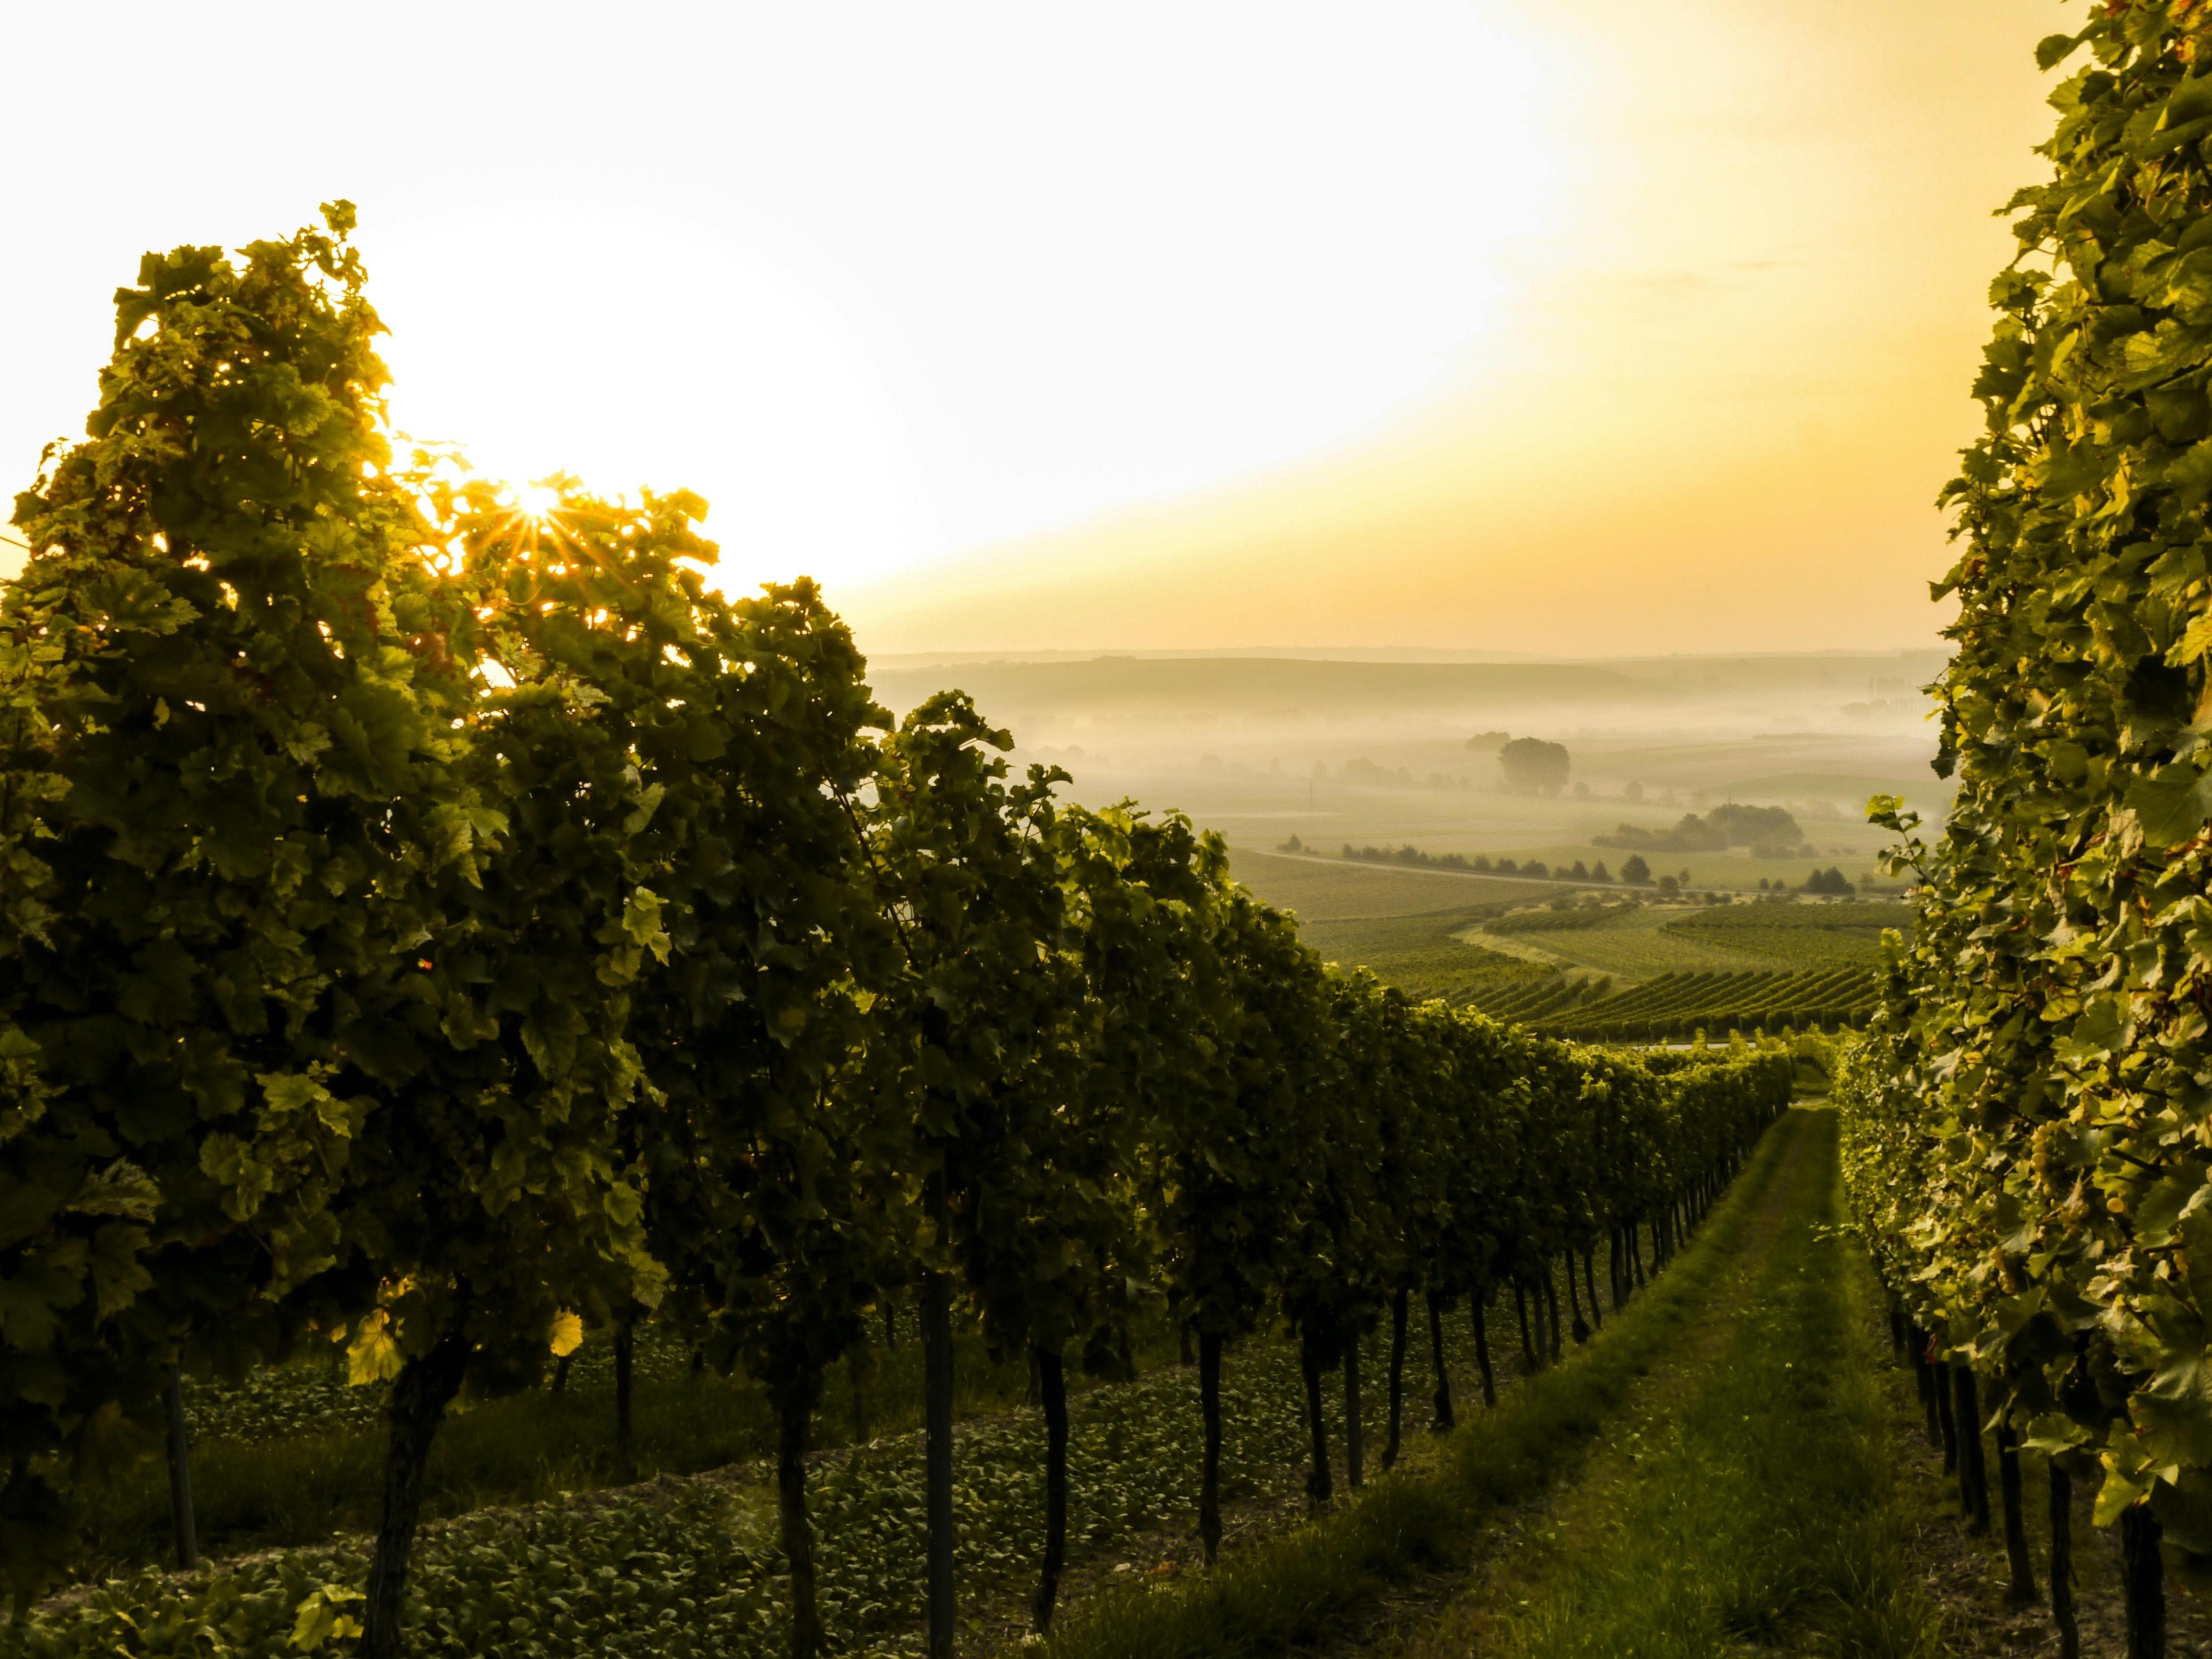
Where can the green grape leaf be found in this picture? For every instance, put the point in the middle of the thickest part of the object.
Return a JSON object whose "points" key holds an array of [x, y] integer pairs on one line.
{"points": [[2173, 806]]}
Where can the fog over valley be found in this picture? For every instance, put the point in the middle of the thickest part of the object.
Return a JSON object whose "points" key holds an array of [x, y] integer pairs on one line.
{"points": [[1399, 754]]}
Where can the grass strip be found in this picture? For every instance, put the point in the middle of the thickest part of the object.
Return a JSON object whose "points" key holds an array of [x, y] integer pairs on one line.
{"points": [[1765, 1511], [1306, 1584]]}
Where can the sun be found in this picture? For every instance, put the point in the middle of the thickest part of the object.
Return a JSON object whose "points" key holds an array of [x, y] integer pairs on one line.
{"points": [[537, 500], [708, 367]]}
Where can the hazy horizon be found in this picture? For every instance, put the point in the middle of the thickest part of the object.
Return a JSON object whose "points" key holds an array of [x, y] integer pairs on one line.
{"points": [[1363, 653], [1402, 754]]}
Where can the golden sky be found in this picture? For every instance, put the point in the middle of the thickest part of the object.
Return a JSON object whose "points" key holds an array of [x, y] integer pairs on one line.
{"points": [[1493, 324], [1725, 381]]}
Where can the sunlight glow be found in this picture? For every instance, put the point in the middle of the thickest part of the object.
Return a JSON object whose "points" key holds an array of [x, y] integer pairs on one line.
{"points": [[537, 501], [665, 358]]}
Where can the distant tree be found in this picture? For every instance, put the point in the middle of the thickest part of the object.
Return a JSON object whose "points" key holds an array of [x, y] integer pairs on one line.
{"points": [[1480, 862], [1831, 882], [1599, 873], [1635, 871], [1537, 868], [1693, 834], [1488, 742], [1506, 867], [1668, 884], [1632, 790], [1408, 853], [1755, 826], [1294, 845], [1366, 771], [1533, 767], [1580, 872]]}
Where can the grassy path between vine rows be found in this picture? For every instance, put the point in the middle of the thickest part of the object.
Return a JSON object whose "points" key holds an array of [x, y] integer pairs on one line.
{"points": [[1355, 1577], [1748, 1500]]}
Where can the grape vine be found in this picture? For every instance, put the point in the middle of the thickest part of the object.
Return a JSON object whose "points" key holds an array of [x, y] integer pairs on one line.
{"points": [[2028, 1123]]}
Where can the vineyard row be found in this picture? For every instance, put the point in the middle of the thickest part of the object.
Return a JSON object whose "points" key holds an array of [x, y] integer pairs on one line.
{"points": [[435, 930]]}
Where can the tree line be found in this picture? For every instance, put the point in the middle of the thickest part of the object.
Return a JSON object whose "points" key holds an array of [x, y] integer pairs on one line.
{"points": [[439, 930], [2029, 1124], [1479, 864], [1769, 831]]}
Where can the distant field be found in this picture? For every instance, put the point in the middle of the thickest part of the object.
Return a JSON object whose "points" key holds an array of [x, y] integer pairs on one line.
{"points": [[1625, 972], [1675, 1005], [1424, 956], [1802, 935], [1637, 942], [1640, 942], [1326, 890]]}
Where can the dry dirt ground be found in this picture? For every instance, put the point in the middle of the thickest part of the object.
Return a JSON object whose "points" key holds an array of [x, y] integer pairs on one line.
{"points": [[1968, 1575]]}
